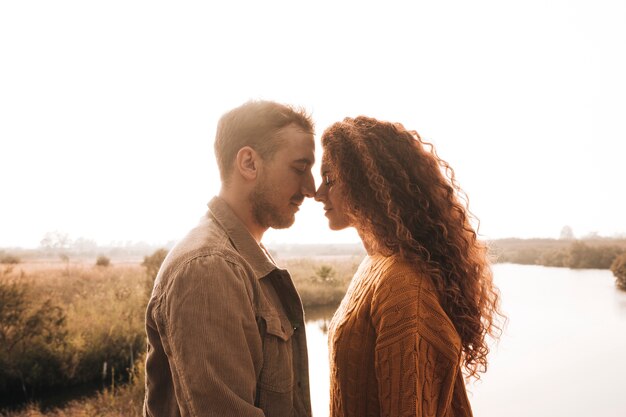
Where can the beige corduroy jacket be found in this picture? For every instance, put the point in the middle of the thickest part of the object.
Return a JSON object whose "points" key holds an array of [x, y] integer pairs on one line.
{"points": [[225, 328]]}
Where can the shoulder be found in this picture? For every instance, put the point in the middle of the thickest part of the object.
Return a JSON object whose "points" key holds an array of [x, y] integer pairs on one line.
{"points": [[205, 256], [205, 246], [405, 302], [208, 239], [397, 280]]}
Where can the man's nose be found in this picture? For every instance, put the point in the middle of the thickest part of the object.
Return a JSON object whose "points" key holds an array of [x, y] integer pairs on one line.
{"points": [[308, 186]]}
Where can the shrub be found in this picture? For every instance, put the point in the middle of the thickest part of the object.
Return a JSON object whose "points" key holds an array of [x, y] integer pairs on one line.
{"points": [[33, 337], [557, 258], [325, 273], [103, 261], [9, 259], [582, 255], [152, 264], [618, 267], [102, 322]]}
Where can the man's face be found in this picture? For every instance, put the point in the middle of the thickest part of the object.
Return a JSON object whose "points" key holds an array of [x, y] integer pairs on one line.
{"points": [[285, 180]]}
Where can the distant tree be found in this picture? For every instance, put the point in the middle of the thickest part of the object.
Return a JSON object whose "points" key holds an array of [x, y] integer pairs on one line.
{"points": [[82, 244], [567, 233], [103, 261], [56, 241], [592, 235], [618, 267]]}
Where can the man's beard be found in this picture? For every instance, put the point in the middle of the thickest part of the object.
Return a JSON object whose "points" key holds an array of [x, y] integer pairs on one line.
{"points": [[265, 212]]}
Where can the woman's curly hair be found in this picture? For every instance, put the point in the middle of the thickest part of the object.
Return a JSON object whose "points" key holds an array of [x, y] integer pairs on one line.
{"points": [[405, 200]]}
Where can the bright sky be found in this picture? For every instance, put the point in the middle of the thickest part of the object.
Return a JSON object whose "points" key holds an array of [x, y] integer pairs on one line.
{"points": [[108, 109]]}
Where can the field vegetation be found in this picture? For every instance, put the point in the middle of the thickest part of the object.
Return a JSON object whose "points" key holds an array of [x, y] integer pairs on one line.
{"points": [[597, 253], [66, 324], [321, 281], [78, 320], [618, 267]]}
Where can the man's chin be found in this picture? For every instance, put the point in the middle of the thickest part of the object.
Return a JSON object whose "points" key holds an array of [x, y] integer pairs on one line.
{"points": [[284, 223]]}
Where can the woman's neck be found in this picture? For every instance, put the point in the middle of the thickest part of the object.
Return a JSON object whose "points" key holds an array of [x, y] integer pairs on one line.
{"points": [[368, 244]]}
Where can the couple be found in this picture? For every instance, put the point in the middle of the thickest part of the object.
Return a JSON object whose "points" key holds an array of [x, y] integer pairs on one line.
{"points": [[225, 324]]}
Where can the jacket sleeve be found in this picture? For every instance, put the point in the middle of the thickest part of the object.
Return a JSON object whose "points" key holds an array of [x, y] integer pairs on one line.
{"points": [[414, 377], [213, 343]]}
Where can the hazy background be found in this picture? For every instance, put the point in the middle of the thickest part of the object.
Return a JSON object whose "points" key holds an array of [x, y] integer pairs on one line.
{"points": [[108, 109]]}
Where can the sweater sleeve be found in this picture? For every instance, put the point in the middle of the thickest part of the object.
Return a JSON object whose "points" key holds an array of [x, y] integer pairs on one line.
{"points": [[415, 376]]}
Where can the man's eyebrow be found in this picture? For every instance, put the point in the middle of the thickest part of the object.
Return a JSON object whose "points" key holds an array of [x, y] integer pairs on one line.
{"points": [[305, 160]]}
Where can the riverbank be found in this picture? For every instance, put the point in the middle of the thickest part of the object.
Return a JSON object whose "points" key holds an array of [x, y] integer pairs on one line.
{"points": [[591, 253]]}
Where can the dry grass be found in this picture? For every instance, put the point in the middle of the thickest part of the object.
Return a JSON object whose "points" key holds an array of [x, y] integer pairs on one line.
{"points": [[313, 288], [104, 309], [104, 322]]}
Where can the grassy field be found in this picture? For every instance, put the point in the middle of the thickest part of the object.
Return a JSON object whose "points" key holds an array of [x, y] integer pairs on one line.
{"points": [[66, 324], [69, 323]]}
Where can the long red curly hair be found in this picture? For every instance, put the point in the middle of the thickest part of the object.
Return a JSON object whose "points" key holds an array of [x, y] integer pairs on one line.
{"points": [[405, 200]]}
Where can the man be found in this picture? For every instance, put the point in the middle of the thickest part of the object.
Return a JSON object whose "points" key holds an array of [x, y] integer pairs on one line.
{"points": [[225, 326]]}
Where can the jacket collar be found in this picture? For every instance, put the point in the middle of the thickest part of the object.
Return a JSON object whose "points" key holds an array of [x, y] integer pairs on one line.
{"points": [[241, 238]]}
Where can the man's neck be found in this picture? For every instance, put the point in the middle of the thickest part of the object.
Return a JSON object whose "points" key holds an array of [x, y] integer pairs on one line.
{"points": [[243, 210]]}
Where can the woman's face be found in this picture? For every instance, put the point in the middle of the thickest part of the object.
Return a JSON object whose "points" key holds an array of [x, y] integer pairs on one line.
{"points": [[331, 194]]}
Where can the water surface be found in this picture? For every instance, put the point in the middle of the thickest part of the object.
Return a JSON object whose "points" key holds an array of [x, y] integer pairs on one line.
{"points": [[563, 352]]}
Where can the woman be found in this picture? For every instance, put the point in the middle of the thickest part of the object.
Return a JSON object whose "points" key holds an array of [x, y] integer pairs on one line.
{"points": [[420, 305]]}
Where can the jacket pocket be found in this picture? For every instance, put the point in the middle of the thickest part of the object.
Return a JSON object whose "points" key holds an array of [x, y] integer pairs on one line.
{"points": [[277, 372]]}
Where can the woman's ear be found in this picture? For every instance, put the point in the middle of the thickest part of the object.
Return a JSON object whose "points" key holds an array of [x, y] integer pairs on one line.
{"points": [[247, 163]]}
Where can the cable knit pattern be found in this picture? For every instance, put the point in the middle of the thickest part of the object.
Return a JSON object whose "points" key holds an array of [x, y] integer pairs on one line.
{"points": [[393, 350]]}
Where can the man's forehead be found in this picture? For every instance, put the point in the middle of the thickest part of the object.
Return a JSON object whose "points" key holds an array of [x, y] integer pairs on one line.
{"points": [[304, 156], [299, 145], [292, 129]]}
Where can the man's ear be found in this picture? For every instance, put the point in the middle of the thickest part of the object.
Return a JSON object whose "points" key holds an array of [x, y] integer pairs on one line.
{"points": [[247, 163]]}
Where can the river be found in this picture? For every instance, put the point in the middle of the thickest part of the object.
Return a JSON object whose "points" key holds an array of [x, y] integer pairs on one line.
{"points": [[562, 353]]}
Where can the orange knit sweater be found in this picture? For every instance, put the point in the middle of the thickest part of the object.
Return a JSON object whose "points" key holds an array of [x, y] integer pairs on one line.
{"points": [[393, 350]]}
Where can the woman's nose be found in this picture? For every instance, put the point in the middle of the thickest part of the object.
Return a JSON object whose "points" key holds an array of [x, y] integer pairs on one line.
{"points": [[320, 194]]}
